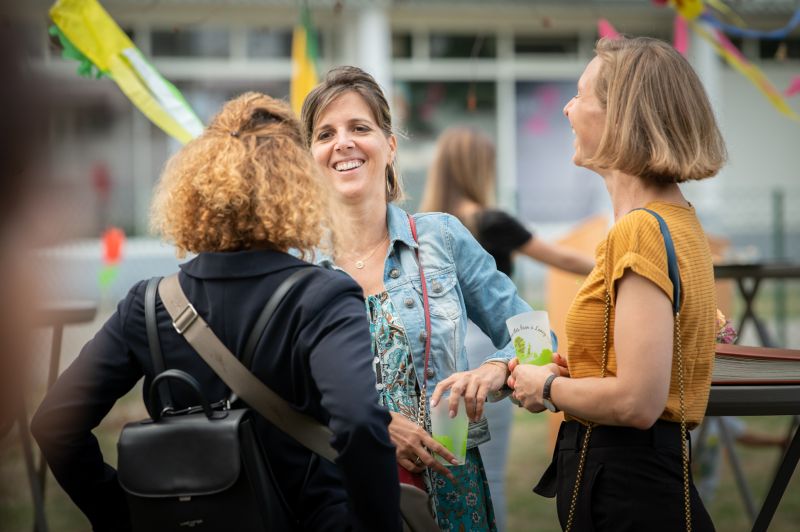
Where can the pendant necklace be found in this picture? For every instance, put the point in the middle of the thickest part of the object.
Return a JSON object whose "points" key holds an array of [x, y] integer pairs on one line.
{"points": [[361, 263]]}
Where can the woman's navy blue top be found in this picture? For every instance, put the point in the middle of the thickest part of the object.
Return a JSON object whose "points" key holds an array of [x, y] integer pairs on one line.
{"points": [[315, 353]]}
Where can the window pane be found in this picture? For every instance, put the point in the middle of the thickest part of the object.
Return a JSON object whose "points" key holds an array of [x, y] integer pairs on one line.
{"points": [[537, 44], [445, 45], [269, 42], [401, 45], [191, 43], [550, 188], [423, 110], [780, 50], [207, 97]]}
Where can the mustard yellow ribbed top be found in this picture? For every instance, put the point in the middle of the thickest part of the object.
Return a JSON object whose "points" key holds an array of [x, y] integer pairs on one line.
{"points": [[635, 243]]}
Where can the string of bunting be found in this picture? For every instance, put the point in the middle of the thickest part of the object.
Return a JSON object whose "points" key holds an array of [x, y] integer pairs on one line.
{"points": [[697, 17]]}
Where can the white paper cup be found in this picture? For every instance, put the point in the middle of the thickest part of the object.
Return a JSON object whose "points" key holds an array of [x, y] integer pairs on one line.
{"points": [[530, 336], [450, 432]]}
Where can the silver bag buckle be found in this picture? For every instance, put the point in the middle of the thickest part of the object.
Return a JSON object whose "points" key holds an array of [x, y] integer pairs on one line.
{"points": [[185, 319]]}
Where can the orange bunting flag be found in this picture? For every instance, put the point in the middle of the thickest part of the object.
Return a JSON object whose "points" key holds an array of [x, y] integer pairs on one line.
{"points": [[113, 240]]}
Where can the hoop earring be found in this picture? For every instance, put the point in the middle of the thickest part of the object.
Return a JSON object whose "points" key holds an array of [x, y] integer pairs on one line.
{"points": [[391, 182]]}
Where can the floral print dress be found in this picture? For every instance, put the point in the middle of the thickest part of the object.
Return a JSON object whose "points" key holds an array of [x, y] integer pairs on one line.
{"points": [[462, 505]]}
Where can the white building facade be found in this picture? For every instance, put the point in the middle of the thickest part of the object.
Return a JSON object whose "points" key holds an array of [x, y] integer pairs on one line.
{"points": [[506, 67]]}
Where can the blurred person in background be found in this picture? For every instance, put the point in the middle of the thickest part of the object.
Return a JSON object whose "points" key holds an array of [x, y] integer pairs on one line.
{"points": [[240, 196], [462, 181], [22, 133], [348, 128], [637, 377]]}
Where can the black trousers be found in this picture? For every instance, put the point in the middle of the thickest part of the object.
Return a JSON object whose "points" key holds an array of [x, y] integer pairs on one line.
{"points": [[632, 480]]}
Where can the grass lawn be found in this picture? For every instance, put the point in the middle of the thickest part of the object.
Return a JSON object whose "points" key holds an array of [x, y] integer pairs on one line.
{"points": [[528, 458]]}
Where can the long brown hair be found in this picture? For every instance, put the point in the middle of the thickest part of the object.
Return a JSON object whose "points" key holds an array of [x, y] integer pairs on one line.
{"points": [[462, 169], [338, 81]]}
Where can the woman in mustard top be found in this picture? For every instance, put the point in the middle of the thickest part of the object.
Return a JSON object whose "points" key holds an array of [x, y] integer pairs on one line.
{"points": [[643, 122]]}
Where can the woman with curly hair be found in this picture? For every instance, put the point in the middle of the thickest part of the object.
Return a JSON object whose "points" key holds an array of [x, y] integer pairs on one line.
{"points": [[240, 196]]}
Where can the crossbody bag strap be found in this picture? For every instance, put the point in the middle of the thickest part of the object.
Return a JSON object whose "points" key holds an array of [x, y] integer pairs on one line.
{"points": [[187, 322], [673, 271], [675, 276], [153, 342], [265, 317], [423, 388]]}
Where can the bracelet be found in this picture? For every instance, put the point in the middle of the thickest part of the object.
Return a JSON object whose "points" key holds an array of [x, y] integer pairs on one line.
{"points": [[498, 363]]}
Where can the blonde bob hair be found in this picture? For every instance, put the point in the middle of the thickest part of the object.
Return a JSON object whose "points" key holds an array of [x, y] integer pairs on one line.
{"points": [[246, 182], [659, 122], [338, 81], [462, 169]]}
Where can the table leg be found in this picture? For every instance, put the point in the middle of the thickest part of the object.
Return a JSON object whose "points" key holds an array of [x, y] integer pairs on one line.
{"points": [[748, 295], [778, 487], [733, 458], [37, 495]]}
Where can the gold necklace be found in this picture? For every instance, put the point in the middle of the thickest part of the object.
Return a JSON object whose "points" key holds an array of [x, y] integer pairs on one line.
{"points": [[361, 263]]}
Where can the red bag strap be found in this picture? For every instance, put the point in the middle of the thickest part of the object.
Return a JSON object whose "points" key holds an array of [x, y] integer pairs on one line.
{"points": [[425, 304]]}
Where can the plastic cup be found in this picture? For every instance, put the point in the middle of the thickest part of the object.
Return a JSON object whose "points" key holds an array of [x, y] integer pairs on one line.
{"points": [[450, 432], [530, 336]]}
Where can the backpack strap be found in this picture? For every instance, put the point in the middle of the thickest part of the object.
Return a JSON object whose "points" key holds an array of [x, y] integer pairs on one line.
{"points": [[265, 317], [153, 342], [303, 428]]}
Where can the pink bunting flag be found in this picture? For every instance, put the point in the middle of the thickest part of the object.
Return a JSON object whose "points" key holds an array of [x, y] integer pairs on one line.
{"points": [[606, 30], [794, 87], [680, 35]]}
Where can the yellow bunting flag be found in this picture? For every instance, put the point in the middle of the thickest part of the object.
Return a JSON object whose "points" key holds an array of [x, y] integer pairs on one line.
{"points": [[688, 9], [304, 60], [91, 30]]}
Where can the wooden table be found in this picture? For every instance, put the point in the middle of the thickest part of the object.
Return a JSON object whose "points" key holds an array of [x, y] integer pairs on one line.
{"points": [[748, 279], [55, 315], [760, 400]]}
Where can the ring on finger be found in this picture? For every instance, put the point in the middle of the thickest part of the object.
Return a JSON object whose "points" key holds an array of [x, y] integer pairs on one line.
{"points": [[418, 461]]}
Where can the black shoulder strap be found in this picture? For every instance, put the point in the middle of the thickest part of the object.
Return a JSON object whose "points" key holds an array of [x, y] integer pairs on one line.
{"points": [[153, 341], [672, 260], [188, 323], [266, 315], [269, 310]]}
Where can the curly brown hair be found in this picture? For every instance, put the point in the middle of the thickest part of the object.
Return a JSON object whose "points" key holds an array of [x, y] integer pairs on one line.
{"points": [[247, 182]]}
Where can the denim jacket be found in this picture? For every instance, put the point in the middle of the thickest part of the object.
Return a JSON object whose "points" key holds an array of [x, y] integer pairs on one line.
{"points": [[463, 283]]}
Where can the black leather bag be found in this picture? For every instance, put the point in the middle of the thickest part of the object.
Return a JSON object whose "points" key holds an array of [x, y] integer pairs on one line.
{"points": [[198, 469], [156, 492], [202, 467]]}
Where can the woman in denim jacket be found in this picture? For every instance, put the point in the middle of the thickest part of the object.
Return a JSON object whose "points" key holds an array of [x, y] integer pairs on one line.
{"points": [[349, 131]]}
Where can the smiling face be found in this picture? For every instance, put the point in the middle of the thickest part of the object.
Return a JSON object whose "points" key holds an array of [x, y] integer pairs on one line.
{"points": [[586, 115], [352, 150]]}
